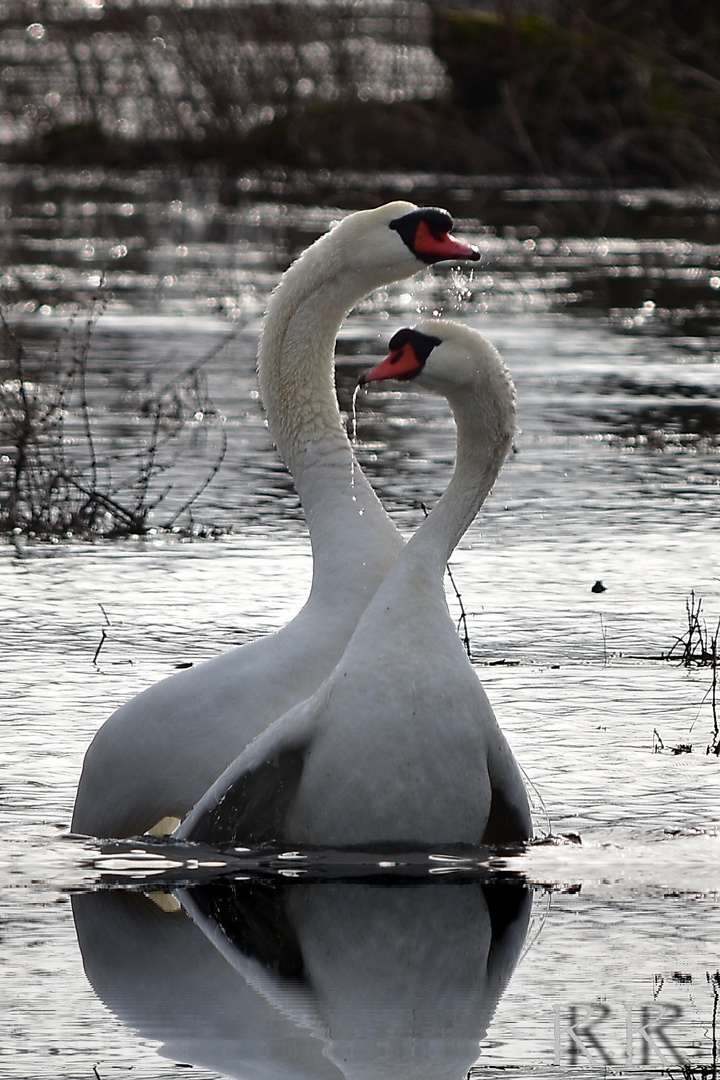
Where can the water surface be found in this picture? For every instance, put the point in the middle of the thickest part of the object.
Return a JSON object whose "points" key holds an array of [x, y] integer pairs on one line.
{"points": [[613, 344]]}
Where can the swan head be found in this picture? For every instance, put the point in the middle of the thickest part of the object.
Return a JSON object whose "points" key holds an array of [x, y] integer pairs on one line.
{"points": [[395, 240], [454, 360], [425, 231]]}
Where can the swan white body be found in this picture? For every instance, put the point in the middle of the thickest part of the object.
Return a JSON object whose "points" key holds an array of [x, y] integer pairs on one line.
{"points": [[154, 758], [399, 744]]}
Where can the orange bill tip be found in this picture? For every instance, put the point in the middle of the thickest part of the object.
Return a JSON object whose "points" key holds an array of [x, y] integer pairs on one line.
{"points": [[438, 246], [402, 363]]}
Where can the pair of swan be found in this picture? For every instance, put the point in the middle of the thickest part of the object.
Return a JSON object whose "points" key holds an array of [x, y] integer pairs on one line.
{"points": [[452, 777], [399, 744]]}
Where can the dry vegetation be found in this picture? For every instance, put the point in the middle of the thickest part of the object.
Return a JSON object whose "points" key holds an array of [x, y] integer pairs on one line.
{"points": [[697, 647], [152, 76], [58, 476], [599, 87]]}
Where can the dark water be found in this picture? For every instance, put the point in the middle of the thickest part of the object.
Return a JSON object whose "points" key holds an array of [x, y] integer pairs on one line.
{"points": [[612, 339]]}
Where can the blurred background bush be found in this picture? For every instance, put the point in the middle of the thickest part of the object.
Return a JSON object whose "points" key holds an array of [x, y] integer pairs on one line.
{"points": [[612, 89]]}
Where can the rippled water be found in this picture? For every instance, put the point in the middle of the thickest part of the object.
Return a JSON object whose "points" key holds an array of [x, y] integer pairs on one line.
{"points": [[613, 344]]}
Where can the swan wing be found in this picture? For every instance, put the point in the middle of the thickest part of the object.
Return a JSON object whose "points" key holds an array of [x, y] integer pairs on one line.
{"points": [[249, 801], [509, 821], [252, 808]]}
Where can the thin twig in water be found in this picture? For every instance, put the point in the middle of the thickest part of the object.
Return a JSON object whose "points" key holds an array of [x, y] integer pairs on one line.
{"points": [[462, 621], [208, 479], [192, 369], [604, 637], [82, 347], [541, 802], [103, 635], [714, 747]]}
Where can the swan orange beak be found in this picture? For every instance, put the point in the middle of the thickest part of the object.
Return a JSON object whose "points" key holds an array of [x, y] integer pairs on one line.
{"points": [[426, 232], [433, 246], [402, 363], [409, 351]]}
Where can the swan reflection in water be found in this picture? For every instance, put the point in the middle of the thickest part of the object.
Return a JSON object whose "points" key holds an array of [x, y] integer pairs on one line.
{"points": [[286, 980]]}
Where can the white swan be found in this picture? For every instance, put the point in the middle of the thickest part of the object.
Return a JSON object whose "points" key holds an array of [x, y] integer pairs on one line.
{"points": [[400, 744], [154, 758]]}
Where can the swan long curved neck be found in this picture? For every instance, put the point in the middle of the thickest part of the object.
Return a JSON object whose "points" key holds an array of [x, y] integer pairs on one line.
{"points": [[295, 371], [484, 437]]}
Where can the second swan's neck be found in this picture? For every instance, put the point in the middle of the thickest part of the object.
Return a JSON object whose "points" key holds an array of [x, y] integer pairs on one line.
{"points": [[484, 438]]}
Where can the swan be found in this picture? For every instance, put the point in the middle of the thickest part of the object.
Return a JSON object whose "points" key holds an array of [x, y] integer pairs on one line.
{"points": [[399, 745], [157, 754]]}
